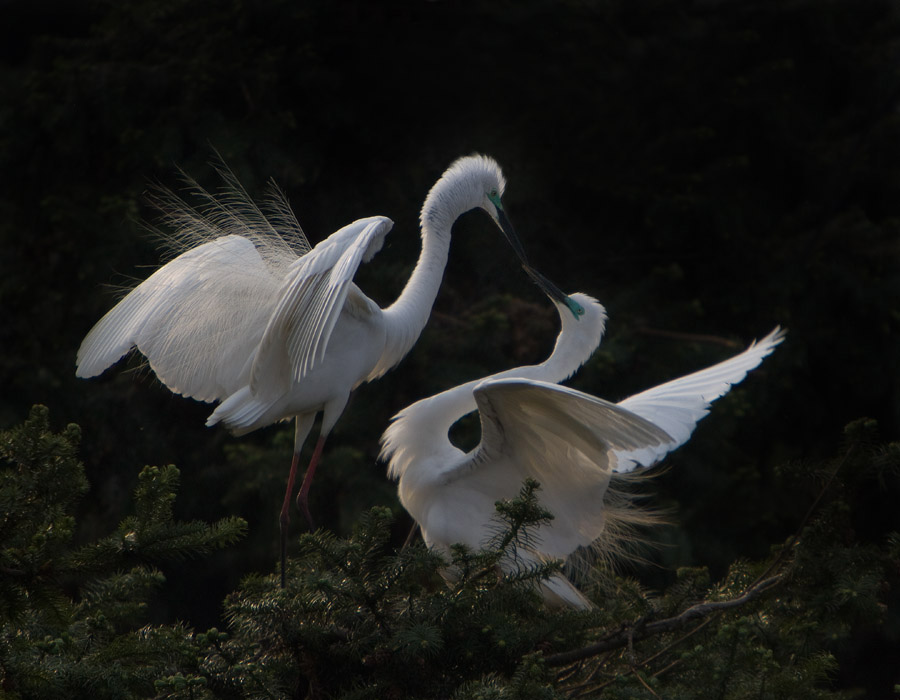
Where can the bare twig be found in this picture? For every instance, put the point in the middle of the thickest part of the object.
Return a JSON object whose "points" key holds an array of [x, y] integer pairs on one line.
{"points": [[640, 630], [796, 536], [644, 683], [626, 635], [674, 644], [668, 668], [691, 337], [411, 537]]}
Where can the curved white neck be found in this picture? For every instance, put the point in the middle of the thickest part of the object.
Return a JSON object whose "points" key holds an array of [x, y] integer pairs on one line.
{"points": [[422, 430], [453, 404], [407, 316]]}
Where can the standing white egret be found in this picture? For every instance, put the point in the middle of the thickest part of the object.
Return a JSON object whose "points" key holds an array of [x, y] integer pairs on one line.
{"points": [[571, 442], [249, 318]]}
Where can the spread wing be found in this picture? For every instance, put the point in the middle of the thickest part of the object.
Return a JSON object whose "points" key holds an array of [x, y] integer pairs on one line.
{"points": [[563, 438], [197, 320], [678, 405], [310, 300]]}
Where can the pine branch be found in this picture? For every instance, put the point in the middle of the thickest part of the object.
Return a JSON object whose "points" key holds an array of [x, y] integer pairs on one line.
{"points": [[73, 621], [641, 629]]}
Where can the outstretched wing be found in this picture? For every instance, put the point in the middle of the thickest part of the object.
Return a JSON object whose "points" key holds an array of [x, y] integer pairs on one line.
{"points": [[196, 319], [678, 405], [311, 299], [565, 439]]}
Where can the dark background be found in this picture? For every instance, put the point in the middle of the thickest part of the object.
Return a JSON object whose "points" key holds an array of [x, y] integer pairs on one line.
{"points": [[703, 168]]}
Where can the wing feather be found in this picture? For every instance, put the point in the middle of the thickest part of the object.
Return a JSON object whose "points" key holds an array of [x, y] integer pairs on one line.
{"points": [[311, 299], [678, 405], [197, 320], [563, 438]]}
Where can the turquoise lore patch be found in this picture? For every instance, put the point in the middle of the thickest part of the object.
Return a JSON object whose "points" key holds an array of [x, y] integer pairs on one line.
{"points": [[576, 308]]}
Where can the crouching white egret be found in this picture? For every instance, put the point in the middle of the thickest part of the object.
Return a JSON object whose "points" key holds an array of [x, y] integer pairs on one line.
{"points": [[571, 442], [251, 318]]}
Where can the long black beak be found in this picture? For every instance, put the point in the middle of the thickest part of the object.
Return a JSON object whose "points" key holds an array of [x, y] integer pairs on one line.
{"points": [[550, 289], [510, 233]]}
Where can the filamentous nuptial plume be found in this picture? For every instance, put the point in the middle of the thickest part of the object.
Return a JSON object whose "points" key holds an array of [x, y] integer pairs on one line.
{"points": [[250, 317], [572, 443]]}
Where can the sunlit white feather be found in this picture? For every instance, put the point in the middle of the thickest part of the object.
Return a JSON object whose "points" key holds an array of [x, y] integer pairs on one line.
{"points": [[249, 316], [676, 406], [570, 442]]}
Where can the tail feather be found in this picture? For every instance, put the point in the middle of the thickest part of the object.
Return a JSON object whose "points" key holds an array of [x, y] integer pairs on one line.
{"points": [[241, 412], [558, 591]]}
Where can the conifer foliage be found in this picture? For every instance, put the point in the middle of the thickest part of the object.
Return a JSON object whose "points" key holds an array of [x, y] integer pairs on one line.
{"points": [[361, 618], [73, 619]]}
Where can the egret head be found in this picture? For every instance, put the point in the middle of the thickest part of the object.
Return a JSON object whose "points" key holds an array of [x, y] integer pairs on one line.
{"points": [[583, 320], [471, 182], [585, 309], [476, 182], [556, 296]]}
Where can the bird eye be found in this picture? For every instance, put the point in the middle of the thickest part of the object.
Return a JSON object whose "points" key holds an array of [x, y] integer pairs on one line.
{"points": [[493, 193]]}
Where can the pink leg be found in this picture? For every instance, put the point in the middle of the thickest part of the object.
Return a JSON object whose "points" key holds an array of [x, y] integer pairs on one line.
{"points": [[411, 537], [285, 518], [303, 495]]}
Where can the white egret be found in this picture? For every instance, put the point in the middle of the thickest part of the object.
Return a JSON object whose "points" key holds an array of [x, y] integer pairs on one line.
{"points": [[250, 319], [571, 442]]}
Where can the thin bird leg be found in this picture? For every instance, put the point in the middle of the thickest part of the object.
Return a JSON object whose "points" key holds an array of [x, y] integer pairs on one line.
{"points": [[302, 426], [303, 495], [285, 520], [411, 537]]}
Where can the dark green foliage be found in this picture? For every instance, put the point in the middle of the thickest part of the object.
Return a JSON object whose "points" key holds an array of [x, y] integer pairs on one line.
{"points": [[823, 587], [39, 487], [360, 619], [74, 619]]}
